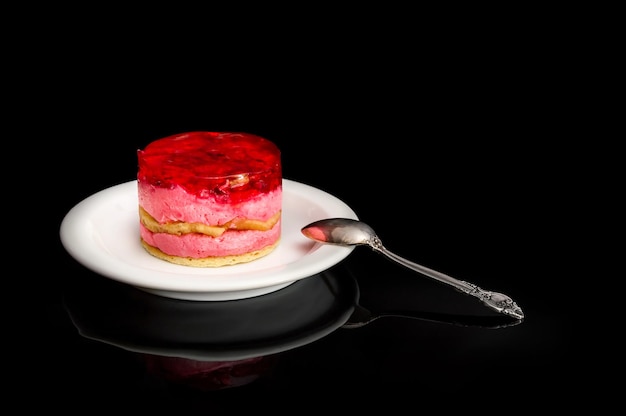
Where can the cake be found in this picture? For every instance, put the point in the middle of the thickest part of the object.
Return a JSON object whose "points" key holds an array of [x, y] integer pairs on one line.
{"points": [[210, 199]]}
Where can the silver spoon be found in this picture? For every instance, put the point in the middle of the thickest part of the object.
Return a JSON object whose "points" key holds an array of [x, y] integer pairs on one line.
{"points": [[349, 232]]}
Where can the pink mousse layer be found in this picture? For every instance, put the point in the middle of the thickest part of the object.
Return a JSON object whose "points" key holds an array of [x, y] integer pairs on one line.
{"points": [[232, 242], [168, 205]]}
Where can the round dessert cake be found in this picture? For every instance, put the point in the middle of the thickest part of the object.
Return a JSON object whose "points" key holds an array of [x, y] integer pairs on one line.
{"points": [[210, 199]]}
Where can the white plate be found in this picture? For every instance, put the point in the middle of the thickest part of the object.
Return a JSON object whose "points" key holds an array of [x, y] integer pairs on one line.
{"points": [[102, 233]]}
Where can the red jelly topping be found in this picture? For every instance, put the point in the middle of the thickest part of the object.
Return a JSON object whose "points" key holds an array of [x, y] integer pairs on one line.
{"points": [[229, 166]]}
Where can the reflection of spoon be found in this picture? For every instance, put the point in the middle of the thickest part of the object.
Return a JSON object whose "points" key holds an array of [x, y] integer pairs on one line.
{"points": [[349, 232], [363, 316]]}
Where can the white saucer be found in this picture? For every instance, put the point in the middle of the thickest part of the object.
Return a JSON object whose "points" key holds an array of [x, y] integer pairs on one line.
{"points": [[102, 233]]}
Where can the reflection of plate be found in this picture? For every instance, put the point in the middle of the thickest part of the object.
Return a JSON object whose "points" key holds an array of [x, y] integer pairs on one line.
{"points": [[134, 320], [102, 233]]}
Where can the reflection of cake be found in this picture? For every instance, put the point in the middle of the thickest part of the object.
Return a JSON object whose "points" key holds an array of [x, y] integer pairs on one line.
{"points": [[208, 375], [210, 199]]}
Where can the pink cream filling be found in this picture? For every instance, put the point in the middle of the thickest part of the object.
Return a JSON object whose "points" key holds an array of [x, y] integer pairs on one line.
{"points": [[232, 242], [168, 205]]}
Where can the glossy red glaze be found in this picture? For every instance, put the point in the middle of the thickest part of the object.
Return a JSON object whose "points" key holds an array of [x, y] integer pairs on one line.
{"points": [[228, 166]]}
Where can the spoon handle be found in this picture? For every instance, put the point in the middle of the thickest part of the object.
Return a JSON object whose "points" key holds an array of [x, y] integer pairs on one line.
{"points": [[494, 300]]}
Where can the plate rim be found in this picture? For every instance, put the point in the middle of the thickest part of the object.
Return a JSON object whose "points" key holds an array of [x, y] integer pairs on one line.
{"points": [[79, 245]]}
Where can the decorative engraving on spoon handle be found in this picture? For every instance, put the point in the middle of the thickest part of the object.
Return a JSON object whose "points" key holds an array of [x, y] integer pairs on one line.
{"points": [[496, 301]]}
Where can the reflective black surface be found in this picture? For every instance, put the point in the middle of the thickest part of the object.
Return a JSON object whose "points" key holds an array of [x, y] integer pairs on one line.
{"points": [[461, 188], [231, 330]]}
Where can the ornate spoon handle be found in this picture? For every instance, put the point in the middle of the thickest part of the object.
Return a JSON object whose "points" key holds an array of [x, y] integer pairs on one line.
{"points": [[494, 300]]}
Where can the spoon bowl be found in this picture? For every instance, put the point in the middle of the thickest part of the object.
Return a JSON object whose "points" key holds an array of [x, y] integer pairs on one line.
{"points": [[340, 231], [350, 232]]}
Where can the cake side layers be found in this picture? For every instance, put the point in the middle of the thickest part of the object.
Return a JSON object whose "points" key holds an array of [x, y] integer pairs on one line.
{"points": [[176, 206]]}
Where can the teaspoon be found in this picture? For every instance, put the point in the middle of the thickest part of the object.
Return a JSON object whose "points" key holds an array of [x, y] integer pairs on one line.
{"points": [[349, 232]]}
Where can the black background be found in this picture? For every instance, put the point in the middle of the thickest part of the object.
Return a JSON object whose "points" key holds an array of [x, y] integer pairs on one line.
{"points": [[447, 149]]}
